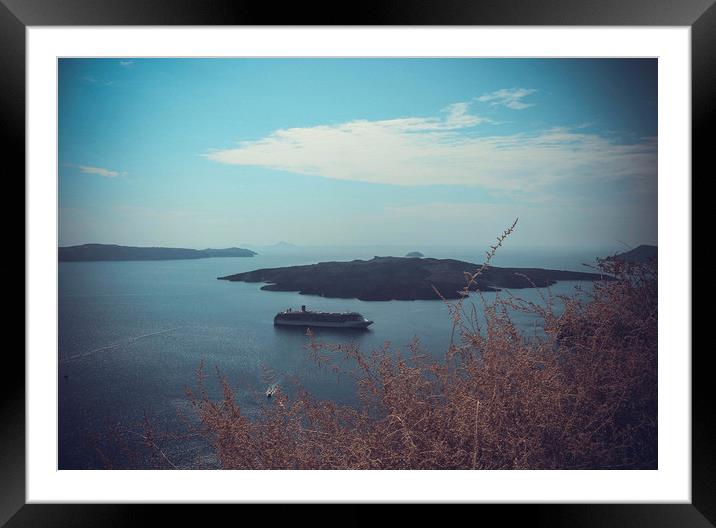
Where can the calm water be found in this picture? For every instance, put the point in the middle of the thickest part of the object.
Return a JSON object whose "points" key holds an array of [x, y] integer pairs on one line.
{"points": [[131, 335]]}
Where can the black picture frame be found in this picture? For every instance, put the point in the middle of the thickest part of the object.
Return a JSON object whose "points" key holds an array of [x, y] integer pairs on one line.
{"points": [[16, 15]]}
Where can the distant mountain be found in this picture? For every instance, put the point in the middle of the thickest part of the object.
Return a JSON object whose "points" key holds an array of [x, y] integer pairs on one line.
{"points": [[643, 253], [387, 278], [415, 254], [283, 244], [277, 245], [95, 252]]}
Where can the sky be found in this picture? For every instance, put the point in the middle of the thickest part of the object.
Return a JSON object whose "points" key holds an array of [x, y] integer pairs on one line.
{"points": [[421, 152]]}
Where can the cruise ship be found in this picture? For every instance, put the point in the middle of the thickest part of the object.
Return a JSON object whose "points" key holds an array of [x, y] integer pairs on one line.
{"points": [[305, 317]]}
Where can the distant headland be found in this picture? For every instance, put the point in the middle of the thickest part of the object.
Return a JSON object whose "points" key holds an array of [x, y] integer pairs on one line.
{"points": [[643, 253], [400, 278], [96, 252], [415, 254]]}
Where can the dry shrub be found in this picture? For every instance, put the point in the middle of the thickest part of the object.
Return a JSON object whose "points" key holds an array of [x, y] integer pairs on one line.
{"points": [[583, 396]]}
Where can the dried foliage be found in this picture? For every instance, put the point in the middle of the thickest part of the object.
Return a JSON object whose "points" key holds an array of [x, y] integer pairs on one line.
{"points": [[581, 396]]}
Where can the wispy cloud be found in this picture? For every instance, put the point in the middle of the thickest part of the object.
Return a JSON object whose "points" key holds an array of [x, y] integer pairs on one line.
{"points": [[509, 97], [87, 169], [126, 63], [445, 150], [94, 80]]}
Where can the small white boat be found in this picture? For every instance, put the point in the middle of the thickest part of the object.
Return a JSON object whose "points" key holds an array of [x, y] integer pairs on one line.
{"points": [[271, 390]]}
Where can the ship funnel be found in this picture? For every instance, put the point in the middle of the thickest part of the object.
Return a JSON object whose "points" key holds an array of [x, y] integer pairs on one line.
{"points": [[303, 307]]}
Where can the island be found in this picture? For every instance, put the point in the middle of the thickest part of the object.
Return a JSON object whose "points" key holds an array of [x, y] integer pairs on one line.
{"points": [[98, 252], [415, 254], [400, 278]]}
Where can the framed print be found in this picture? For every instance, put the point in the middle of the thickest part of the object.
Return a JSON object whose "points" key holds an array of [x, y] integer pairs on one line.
{"points": [[398, 207]]}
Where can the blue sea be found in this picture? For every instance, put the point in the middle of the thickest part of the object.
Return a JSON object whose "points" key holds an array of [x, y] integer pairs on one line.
{"points": [[132, 334]]}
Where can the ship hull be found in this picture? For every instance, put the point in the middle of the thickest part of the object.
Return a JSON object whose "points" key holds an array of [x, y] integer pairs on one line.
{"points": [[326, 324]]}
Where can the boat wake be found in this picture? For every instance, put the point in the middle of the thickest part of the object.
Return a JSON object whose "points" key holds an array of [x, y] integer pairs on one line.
{"points": [[124, 342]]}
